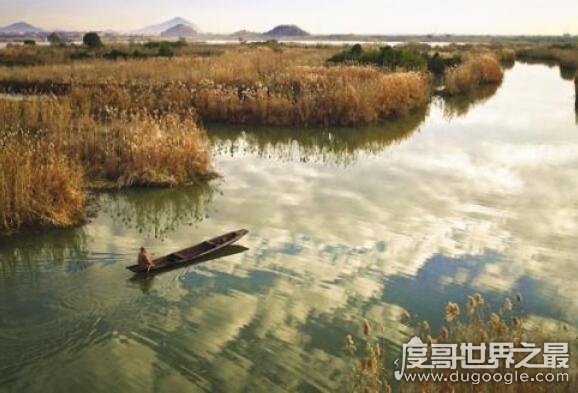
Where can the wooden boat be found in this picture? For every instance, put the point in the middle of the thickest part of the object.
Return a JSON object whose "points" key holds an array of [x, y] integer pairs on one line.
{"points": [[191, 254]]}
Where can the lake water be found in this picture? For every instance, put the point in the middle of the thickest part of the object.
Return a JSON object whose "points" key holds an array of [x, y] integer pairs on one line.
{"points": [[471, 196]]}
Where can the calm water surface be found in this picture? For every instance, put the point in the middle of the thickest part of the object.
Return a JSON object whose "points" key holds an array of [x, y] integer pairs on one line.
{"points": [[472, 196]]}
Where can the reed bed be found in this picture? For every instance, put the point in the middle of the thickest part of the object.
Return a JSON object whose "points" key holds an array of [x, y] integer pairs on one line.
{"points": [[564, 56], [475, 71], [259, 85], [39, 185], [507, 56], [240, 64], [144, 150], [52, 152], [475, 322], [139, 148], [343, 96]]}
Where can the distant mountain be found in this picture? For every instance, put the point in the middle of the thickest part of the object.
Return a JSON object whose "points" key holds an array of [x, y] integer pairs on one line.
{"points": [[179, 31], [163, 27], [287, 31], [20, 28], [244, 34]]}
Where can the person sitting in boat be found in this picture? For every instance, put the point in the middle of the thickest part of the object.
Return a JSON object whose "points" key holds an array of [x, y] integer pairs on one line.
{"points": [[144, 259]]}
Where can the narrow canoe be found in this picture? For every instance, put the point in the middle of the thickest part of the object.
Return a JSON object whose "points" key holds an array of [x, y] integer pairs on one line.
{"points": [[191, 254]]}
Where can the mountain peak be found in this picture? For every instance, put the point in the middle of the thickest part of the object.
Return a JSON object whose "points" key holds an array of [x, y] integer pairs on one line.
{"points": [[179, 20], [20, 28], [287, 31], [181, 30], [162, 27]]}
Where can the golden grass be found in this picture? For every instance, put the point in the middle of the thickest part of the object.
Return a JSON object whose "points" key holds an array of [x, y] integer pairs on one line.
{"points": [[145, 150], [475, 71], [38, 185], [566, 57], [474, 323], [507, 55], [240, 64], [345, 95], [126, 149], [244, 85], [38, 115], [51, 151]]}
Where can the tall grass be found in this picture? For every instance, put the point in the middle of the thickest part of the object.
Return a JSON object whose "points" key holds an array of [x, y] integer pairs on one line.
{"points": [[475, 71], [476, 322], [39, 185], [51, 151], [565, 56], [344, 95], [244, 85], [144, 150]]}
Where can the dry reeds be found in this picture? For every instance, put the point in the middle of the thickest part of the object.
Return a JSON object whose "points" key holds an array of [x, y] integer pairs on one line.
{"points": [[566, 57], [316, 96], [244, 85], [145, 150], [475, 71], [38, 185], [48, 146], [479, 324], [507, 55]]}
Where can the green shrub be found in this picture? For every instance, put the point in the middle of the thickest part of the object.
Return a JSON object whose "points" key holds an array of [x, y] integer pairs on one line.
{"points": [[393, 58], [387, 57], [165, 50], [92, 40]]}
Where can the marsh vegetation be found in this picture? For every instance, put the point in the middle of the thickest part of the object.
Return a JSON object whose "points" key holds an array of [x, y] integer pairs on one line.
{"points": [[132, 114], [53, 151], [475, 322]]}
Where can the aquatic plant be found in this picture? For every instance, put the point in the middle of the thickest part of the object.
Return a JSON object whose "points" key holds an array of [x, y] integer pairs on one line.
{"points": [[370, 372], [39, 185], [474, 71], [507, 56], [51, 151], [244, 85], [566, 56], [144, 150]]}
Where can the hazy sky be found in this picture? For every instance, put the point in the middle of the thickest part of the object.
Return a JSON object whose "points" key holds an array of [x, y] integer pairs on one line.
{"points": [[325, 16]]}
